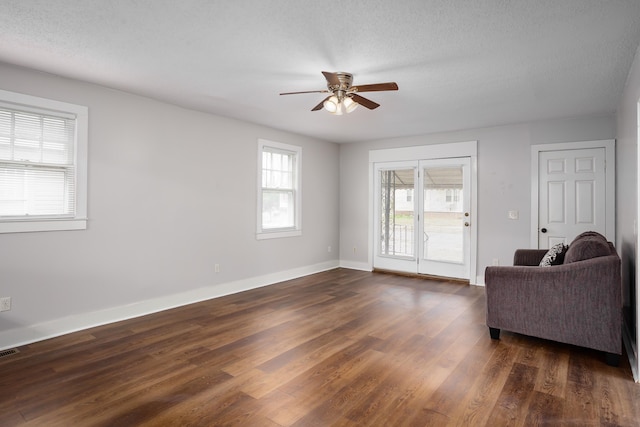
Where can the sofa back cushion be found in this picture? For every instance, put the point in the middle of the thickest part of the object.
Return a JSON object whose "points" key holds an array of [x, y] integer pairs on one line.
{"points": [[590, 234], [587, 247]]}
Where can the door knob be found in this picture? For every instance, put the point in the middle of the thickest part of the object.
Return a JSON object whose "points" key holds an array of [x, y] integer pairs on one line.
{"points": [[543, 230]]}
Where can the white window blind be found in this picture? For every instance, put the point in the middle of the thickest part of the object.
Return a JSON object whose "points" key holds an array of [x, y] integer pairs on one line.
{"points": [[37, 172], [42, 164]]}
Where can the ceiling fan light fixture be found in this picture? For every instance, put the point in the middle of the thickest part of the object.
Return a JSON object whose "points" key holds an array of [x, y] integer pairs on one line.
{"points": [[332, 105], [349, 104]]}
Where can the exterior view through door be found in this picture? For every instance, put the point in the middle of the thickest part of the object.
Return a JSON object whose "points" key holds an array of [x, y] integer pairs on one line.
{"points": [[422, 216]]}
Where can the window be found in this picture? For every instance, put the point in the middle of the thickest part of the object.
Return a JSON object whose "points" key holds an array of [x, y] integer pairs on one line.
{"points": [[452, 195], [43, 164], [278, 190]]}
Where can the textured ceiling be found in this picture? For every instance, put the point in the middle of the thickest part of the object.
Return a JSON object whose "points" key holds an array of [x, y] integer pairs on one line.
{"points": [[459, 64]]}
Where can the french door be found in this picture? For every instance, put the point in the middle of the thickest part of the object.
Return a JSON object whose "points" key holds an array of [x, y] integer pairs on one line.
{"points": [[422, 216]]}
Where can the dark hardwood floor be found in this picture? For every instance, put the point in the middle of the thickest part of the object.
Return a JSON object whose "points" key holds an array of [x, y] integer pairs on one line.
{"points": [[339, 348]]}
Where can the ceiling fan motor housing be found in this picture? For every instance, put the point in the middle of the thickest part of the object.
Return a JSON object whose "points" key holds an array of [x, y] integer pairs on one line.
{"points": [[345, 81], [341, 90]]}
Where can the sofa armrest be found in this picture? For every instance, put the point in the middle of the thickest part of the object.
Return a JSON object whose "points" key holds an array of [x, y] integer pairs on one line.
{"points": [[528, 256]]}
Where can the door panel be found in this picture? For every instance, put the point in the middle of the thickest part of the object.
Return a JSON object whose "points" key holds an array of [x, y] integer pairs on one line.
{"points": [[585, 202], [572, 195], [446, 221], [557, 196], [395, 216]]}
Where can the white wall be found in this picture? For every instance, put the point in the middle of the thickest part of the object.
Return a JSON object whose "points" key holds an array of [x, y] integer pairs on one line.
{"points": [[171, 193], [504, 183], [627, 198]]}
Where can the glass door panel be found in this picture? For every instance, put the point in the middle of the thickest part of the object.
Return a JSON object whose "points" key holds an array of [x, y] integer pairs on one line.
{"points": [[445, 222], [397, 213], [443, 214], [395, 216]]}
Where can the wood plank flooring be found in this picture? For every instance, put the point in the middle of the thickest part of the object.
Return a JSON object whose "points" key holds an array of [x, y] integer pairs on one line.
{"points": [[339, 348]]}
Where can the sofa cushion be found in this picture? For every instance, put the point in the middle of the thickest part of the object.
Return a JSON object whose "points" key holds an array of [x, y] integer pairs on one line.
{"points": [[554, 256], [586, 248]]}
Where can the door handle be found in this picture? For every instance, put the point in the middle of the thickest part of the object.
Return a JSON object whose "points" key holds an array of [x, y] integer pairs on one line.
{"points": [[543, 230]]}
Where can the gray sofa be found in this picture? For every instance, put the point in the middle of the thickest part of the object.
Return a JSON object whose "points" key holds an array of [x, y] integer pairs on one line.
{"points": [[577, 302]]}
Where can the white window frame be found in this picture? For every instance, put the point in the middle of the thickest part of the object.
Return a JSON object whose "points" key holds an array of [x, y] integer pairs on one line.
{"points": [[78, 221], [296, 230]]}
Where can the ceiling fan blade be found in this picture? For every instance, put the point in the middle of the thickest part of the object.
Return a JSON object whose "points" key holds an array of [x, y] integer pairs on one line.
{"points": [[306, 91], [365, 102], [377, 87], [321, 105], [332, 78]]}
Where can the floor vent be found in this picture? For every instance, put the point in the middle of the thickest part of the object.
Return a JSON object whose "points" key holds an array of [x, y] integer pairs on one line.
{"points": [[6, 353]]}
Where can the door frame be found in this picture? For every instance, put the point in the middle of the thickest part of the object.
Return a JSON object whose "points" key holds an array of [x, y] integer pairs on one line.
{"points": [[609, 146], [428, 152]]}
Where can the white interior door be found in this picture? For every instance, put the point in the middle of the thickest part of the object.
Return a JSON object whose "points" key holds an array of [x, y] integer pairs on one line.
{"points": [[572, 194], [445, 218]]}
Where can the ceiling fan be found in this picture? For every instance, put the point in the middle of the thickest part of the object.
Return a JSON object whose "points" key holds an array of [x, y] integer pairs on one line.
{"points": [[344, 97]]}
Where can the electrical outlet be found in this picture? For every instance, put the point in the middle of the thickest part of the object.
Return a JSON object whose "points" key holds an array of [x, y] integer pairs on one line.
{"points": [[328, 248], [496, 261], [5, 304], [216, 268]]}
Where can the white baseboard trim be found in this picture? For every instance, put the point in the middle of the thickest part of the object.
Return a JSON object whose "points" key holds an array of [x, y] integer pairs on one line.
{"points": [[353, 265], [65, 325], [479, 281]]}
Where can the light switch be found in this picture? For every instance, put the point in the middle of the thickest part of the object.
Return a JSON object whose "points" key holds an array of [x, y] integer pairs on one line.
{"points": [[513, 215]]}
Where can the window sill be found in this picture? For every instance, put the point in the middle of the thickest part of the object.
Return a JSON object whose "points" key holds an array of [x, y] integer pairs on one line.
{"points": [[278, 234], [44, 225]]}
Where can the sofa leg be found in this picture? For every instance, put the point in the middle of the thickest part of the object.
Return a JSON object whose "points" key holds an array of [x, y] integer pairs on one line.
{"points": [[495, 333], [612, 359]]}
